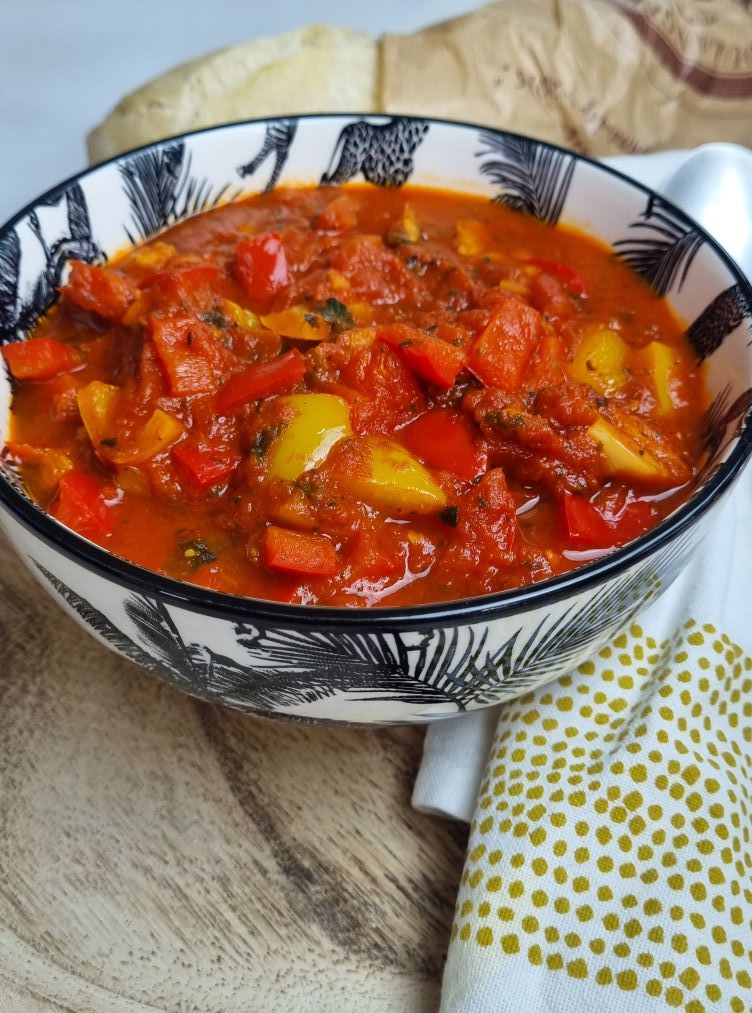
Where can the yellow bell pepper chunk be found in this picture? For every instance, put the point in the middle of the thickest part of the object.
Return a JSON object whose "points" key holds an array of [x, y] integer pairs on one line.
{"points": [[97, 402], [246, 319], [510, 285], [298, 322], [131, 478], [357, 338], [660, 360], [152, 255], [157, 434], [391, 478], [319, 421], [599, 361], [624, 455], [406, 229], [361, 312], [48, 463], [472, 237], [337, 280]]}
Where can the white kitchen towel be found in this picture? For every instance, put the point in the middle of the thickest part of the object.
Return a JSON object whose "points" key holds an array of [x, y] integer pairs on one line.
{"points": [[609, 865]]}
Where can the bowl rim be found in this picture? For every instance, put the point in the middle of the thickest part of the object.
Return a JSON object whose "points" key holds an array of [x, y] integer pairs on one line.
{"points": [[384, 618]]}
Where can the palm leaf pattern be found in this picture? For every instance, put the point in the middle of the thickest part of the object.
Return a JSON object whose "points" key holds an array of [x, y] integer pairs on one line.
{"points": [[161, 190], [157, 629], [99, 622], [532, 177], [301, 667], [10, 262], [282, 669], [722, 424], [19, 314], [664, 251], [719, 319]]}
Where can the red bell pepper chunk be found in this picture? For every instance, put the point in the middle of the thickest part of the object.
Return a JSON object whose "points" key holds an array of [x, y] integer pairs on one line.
{"points": [[500, 356], [571, 278], [261, 266], [205, 466], [259, 381], [39, 358], [584, 525], [99, 290], [80, 505], [444, 438], [616, 520], [299, 552], [432, 359]]}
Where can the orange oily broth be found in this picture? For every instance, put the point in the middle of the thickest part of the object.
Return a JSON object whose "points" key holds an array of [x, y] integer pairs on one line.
{"points": [[148, 530]]}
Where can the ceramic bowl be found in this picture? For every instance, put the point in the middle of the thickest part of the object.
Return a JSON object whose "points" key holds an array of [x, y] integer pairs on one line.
{"points": [[385, 665]]}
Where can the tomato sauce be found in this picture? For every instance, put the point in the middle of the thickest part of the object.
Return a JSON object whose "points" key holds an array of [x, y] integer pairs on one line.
{"points": [[355, 396]]}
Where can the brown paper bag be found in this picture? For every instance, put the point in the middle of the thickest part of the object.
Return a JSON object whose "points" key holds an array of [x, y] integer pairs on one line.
{"points": [[600, 76]]}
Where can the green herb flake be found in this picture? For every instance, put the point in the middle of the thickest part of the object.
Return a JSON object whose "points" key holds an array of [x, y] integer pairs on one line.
{"points": [[215, 319], [196, 553], [336, 314], [109, 441], [450, 515], [264, 439], [311, 319]]}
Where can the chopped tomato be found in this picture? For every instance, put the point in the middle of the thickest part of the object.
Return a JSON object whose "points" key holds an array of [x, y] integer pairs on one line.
{"points": [[571, 278], [501, 354], [261, 267], [446, 439], [99, 290], [391, 395], [39, 358], [80, 504], [486, 522], [193, 285], [432, 359], [187, 371], [273, 377], [299, 552], [628, 515]]}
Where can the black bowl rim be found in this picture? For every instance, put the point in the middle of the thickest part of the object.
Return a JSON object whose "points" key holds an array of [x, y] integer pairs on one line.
{"points": [[463, 611]]}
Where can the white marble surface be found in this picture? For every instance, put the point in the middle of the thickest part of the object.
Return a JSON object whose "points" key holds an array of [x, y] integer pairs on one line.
{"points": [[63, 66]]}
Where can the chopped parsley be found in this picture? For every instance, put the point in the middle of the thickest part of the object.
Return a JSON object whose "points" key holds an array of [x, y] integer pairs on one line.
{"points": [[263, 440], [216, 319], [336, 314], [196, 552], [450, 515]]}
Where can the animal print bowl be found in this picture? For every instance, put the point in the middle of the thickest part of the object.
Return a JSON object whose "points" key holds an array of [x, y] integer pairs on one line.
{"points": [[387, 665]]}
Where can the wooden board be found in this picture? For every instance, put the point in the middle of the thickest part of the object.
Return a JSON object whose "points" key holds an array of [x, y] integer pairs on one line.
{"points": [[157, 852]]}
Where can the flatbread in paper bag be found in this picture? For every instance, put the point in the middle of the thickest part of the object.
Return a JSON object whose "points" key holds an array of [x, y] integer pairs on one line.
{"points": [[313, 69], [601, 76]]}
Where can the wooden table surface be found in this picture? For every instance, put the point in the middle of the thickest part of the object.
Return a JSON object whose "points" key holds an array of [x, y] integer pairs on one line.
{"points": [[160, 853]]}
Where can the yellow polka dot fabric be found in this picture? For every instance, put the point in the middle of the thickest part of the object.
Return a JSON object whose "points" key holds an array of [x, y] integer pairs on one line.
{"points": [[610, 857]]}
